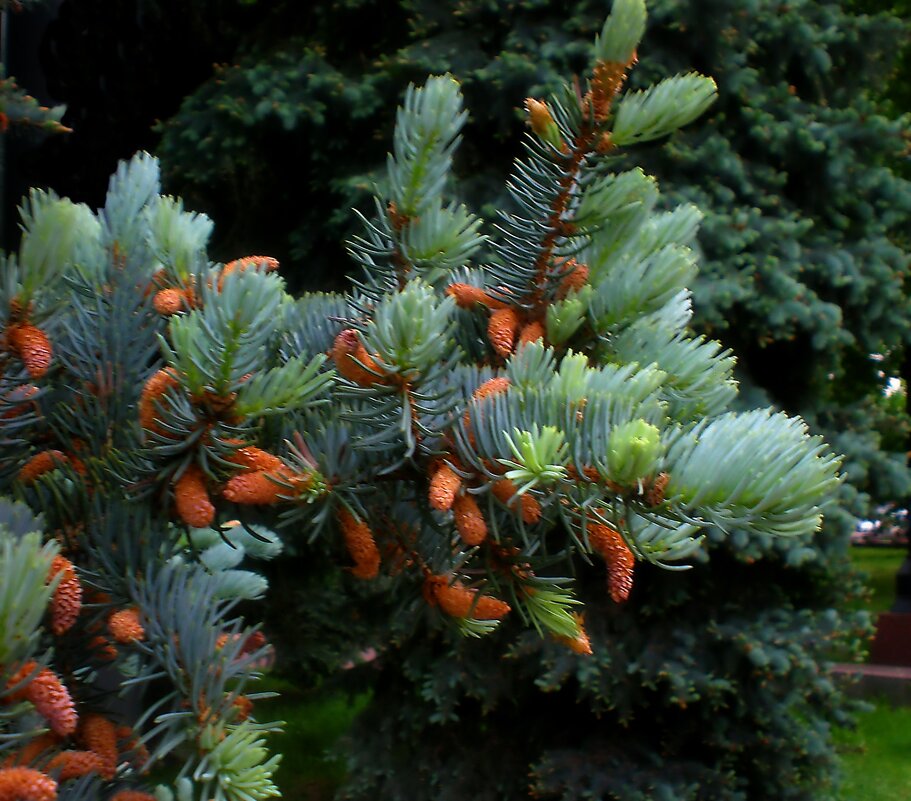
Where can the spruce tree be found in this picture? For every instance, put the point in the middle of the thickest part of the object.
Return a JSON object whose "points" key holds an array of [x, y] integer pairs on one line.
{"points": [[498, 422], [796, 168]]}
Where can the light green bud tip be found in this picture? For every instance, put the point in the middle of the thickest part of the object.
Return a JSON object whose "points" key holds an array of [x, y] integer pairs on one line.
{"points": [[633, 450], [622, 32], [564, 318]]}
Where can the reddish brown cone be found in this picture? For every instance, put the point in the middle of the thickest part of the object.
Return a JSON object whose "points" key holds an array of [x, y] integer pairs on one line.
{"points": [[505, 490], [458, 600], [468, 520], [501, 330], [192, 498], [608, 543], [360, 544], [66, 602], [125, 626], [156, 386], [443, 488], [99, 735], [32, 346], [348, 347], [40, 464], [49, 696], [26, 784]]}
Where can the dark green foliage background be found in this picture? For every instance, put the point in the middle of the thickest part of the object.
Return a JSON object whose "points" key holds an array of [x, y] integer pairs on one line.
{"points": [[708, 684]]}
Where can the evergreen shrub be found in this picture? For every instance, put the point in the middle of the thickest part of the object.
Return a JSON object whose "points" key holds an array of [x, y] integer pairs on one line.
{"points": [[485, 429]]}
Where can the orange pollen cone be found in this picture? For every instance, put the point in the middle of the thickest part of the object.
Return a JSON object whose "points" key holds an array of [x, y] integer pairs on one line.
{"points": [[169, 301], [576, 277], [192, 498], [493, 386], [266, 264], [263, 487], [469, 521], [40, 464], [156, 386], [99, 735], [467, 296], [253, 458], [125, 626], [348, 347], [608, 543], [49, 696], [501, 330], [360, 544], [74, 764], [26, 784], [460, 601], [505, 490], [32, 346], [531, 333], [66, 603], [443, 488]]}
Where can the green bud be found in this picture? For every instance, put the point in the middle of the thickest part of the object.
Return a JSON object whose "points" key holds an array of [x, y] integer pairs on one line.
{"points": [[563, 319], [539, 456], [542, 122], [622, 32], [663, 108], [633, 450], [57, 235]]}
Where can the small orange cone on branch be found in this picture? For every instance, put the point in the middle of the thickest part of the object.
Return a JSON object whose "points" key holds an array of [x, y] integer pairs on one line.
{"points": [[99, 735], [460, 601], [501, 330], [192, 498], [608, 543], [75, 764], [505, 490], [49, 696], [170, 301], [26, 784], [32, 346], [266, 264], [155, 387], [443, 488], [580, 644], [467, 296], [360, 544], [40, 464], [345, 350], [125, 626], [531, 333], [66, 602], [576, 277], [468, 520]]}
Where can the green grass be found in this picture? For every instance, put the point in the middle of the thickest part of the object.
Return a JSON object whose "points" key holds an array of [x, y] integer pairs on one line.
{"points": [[875, 757], [314, 721], [880, 565]]}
